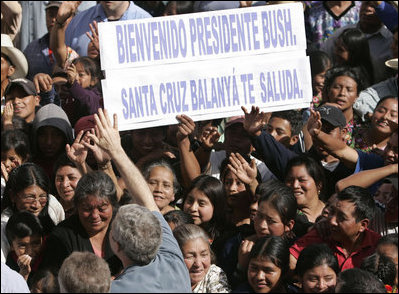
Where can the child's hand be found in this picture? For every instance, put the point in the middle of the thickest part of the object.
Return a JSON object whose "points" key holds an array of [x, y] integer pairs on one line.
{"points": [[72, 74], [24, 265]]}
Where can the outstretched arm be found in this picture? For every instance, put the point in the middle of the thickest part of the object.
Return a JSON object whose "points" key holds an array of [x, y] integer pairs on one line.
{"points": [[367, 178], [109, 140]]}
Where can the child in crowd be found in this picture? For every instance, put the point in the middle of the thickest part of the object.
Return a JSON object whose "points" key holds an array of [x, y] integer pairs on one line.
{"points": [[177, 217], [382, 267], [268, 266], [320, 62], [317, 269], [205, 276], [26, 237], [15, 150]]}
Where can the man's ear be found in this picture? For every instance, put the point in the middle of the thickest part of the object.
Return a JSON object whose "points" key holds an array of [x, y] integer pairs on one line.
{"points": [[37, 100], [344, 131], [11, 71], [364, 223], [294, 139]]}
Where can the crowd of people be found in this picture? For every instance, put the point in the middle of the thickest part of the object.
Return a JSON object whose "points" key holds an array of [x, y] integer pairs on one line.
{"points": [[299, 201]]}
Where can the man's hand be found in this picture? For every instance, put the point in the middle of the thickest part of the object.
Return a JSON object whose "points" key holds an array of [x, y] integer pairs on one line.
{"points": [[314, 123], [67, 10], [185, 127], [78, 151], [254, 121], [242, 169], [43, 82]]}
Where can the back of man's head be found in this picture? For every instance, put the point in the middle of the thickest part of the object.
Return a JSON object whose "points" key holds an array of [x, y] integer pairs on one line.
{"points": [[138, 233], [84, 272], [356, 280], [362, 200]]}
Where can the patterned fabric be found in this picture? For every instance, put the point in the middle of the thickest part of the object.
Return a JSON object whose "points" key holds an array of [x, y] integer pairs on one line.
{"points": [[321, 23], [215, 281], [362, 144], [353, 125], [71, 56]]}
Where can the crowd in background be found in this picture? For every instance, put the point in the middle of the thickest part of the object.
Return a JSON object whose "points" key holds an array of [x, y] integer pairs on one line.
{"points": [[299, 201]]}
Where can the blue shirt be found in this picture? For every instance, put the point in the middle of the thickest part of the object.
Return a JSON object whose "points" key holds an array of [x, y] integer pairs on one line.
{"points": [[75, 35], [38, 56], [368, 161]]}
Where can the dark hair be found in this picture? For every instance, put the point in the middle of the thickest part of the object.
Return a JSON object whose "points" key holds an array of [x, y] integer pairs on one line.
{"points": [[294, 117], [49, 281], [178, 217], [95, 183], [183, 7], [90, 67], [383, 99], [390, 239], [22, 177], [276, 249], [23, 224], [362, 199], [17, 140], [214, 190], [319, 61], [313, 168], [381, 266], [352, 72], [63, 160], [359, 52], [281, 197], [315, 255], [356, 280], [7, 59]]}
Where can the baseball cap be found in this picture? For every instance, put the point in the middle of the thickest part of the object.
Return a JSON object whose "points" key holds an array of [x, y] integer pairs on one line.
{"points": [[25, 84], [234, 120], [85, 123], [53, 4], [332, 115]]}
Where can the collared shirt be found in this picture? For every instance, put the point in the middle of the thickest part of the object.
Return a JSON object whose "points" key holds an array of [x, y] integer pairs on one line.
{"points": [[39, 57], [355, 259], [75, 35], [379, 44]]}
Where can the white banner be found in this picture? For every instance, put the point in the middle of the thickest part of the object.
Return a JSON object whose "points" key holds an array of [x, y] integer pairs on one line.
{"points": [[202, 36], [153, 96]]}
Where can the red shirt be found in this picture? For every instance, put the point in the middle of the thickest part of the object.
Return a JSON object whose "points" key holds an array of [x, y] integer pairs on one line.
{"points": [[355, 259]]}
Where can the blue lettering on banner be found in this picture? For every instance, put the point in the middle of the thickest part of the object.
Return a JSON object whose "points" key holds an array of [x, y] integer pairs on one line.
{"points": [[141, 102], [277, 28], [280, 85]]}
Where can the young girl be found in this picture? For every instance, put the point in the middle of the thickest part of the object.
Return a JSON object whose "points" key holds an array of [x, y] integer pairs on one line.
{"points": [[206, 203], [15, 150], [205, 276], [320, 62], [317, 269], [268, 266], [25, 235]]}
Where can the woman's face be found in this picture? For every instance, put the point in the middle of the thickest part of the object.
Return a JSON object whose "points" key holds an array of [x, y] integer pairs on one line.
{"points": [[386, 111], [32, 199], [343, 91], [234, 188], [66, 180], [341, 54], [198, 205], [267, 221], [263, 275], [160, 182], [318, 82], [320, 279], [197, 257], [95, 214], [303, 185], [11, 159]]}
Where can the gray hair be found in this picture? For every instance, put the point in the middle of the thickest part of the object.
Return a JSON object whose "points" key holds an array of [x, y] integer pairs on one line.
{"points": [[95, 183], [161, 163], [187, 232], [84, 272], [138, 232]]}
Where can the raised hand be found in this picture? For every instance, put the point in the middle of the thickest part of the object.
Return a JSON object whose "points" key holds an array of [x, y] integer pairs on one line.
{"points": [[209, 137], [78, 151], [67, 10], [242, 169], [94, 35], [8, 113], [108, 138], [102, 158], [243, 253], [314, 123], [185, 127], [43, 82], [72, 73], [254, 121], [24, 265]]}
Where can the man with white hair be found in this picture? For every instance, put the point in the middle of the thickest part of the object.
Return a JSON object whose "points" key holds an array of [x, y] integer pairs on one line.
{"points": [[140, 236]]}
